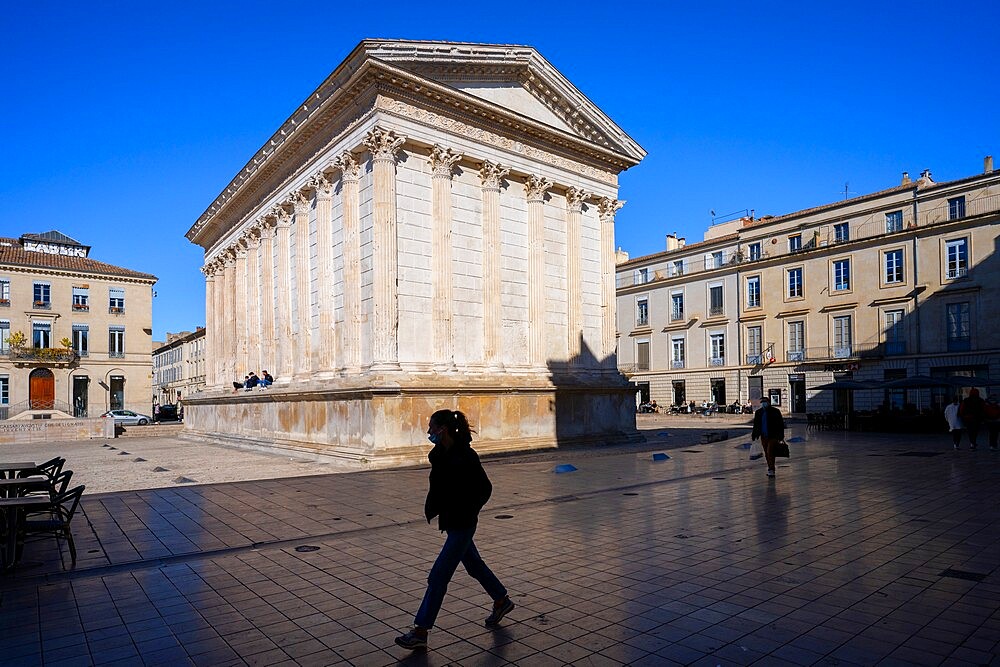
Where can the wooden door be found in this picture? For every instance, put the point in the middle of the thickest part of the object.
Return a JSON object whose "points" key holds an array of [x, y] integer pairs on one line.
{"points": [[42, 389]]}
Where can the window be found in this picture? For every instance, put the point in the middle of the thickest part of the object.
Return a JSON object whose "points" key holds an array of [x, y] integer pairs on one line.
{"points": [[116, 341], [795, 283], [841, 232], [642, 355], [41, 334], [841, 275], [753, 292], [893, 266], [641, 276], [795, 242], [81, 298], [715, 306], [956, 208], [754, 251], [4, 391], [893, 222], [842, 337], [796, 341], [642, 312], [956, 258], [677, 306], [81, 333], [4, 336], [717, 258], [677, 267], [116, 300], [43, 295], [717, 345], [895, 335], [677, 352], [959, 327], [4, 292], [754, 345]]}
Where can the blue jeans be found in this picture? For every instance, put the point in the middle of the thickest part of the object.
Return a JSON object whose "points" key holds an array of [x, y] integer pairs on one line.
{"points": [[458, 548]]}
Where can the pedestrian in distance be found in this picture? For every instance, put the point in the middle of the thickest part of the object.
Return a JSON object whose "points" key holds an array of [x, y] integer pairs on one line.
{"points": [[459, 488], [769, 426], [954, 422], [973, 412]]}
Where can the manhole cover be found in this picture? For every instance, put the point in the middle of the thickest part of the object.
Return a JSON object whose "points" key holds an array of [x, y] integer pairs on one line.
{"points": [[504, 516], [962, 574], [305, 548], [921, 454]]}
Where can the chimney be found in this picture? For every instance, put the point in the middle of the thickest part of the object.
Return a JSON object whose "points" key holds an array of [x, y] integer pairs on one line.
{"points": [[925, 175], [987, 164], [680, 242], [906, 178], [671, 241]]}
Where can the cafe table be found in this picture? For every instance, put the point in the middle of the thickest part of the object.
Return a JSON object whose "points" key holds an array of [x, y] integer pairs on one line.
{"points": [[9, 487], [14, 510], [11, 469]]}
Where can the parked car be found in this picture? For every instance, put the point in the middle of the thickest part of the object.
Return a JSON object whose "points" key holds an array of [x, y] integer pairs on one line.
{"points": [[168, 413], [128, 418]]}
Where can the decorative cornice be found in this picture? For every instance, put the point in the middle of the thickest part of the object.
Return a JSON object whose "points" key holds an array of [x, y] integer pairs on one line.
{"points": [[575, 198], [491, 174], [383, 144], [443, 161], [535, 187]]}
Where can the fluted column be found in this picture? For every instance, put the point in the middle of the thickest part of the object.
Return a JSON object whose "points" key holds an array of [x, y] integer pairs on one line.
{"points": [[218, 359], [384, 145], [209, 270], [301, 203], [442, 164], [606, 208], [351, 335], [242, 364], [283, 294], [253, 327], [491, 175], [268, 356], [229, 313], [535, 188], [574, 275], [323, 185]]}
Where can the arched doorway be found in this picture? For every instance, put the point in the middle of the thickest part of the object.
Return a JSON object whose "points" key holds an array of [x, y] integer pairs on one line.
{"points": [[42, 389]]}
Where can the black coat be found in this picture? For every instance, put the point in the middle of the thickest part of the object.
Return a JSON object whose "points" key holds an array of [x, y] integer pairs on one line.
{"points": [[459, 487], [775, 423]]}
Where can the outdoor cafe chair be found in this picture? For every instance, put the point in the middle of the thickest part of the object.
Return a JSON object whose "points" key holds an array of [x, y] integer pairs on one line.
{"points": [[56, 487], [57, 522], [50, 468]]}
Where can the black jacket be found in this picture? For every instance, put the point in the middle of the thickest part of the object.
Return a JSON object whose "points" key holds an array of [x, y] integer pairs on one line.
{"points": [[775, 423], [459, 487]]}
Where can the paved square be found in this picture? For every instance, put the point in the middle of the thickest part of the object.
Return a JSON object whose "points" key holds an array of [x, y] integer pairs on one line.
{"points": [[858, 553]]}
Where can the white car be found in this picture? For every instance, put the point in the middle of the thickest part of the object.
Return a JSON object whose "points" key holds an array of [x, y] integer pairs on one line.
{"points": [[128, 418]]}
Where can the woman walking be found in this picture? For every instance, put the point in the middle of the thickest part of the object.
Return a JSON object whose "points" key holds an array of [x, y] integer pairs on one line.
{"points": [[458, 490]]}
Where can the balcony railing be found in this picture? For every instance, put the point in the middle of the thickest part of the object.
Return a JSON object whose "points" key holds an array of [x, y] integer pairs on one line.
{"points": [[717, 361], [42, 305], [41, 355], [80, 306], [677, 316], [629, 369], [116, 309], [4, 303], [715, 311], [795, 355], [677, 363], [839, 352], [960, 272], [755, 359], [116, 355]]}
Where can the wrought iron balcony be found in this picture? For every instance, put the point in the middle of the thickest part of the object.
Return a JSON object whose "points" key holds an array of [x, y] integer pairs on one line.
{"points": [[755, 359], [41, 356], [714, 311], [677, 363], [795, 355], [42, 305], [717, 361]]}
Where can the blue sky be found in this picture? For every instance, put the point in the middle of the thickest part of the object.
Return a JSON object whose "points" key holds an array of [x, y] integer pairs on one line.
{"points": [[124, 120]]}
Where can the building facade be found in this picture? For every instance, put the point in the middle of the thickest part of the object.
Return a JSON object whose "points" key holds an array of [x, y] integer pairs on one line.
{"points": [[179, 366], [894, 284], [75, 333], [434, 227]]}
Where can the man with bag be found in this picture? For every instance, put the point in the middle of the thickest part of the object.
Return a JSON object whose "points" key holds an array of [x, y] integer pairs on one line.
{"points": [[769, 426]]}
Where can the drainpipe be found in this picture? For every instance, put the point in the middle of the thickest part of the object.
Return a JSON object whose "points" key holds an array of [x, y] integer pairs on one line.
{"points": [[915, 262]]}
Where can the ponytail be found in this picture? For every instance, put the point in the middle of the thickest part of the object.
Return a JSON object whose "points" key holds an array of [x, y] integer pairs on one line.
{"points": [[456, 424]]}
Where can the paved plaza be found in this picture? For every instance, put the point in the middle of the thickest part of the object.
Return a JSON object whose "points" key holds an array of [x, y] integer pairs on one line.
{"points": [[867, 549]]}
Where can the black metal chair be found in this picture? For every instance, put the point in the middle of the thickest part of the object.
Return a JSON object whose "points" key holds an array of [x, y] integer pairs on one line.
{"points": [[50, 468], [53, 521]]}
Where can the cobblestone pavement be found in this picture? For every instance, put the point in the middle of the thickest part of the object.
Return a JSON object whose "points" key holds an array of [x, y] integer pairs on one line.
{"points": [[866, 549]]}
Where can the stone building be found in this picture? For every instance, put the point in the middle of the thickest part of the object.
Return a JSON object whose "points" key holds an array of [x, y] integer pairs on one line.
{"points": [[432, 227], [898, 283], [52, 290], [179, 366]]}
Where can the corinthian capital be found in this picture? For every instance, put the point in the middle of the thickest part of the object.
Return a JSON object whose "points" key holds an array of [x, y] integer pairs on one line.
{"points": [[535, 187], [575, 198], [253, 237], [383, 144], [443, 161], [323, 184], [282, 214], [491, 174], [266, 223], [348, 165], [606, 208], [301, 200]]}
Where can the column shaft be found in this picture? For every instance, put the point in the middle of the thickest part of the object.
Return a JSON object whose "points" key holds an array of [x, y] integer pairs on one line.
{"points": [[284, 296], [229, 317], [535, 188], [574, 277], [607, 208], [210, 375], [350, 202], [491, 175], [267, 336], [442, 162], [253, 301], [240, 312], [324, 261], [303, 286]]}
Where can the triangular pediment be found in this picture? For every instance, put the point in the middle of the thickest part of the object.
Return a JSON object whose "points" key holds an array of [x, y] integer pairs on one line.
{"points": [[516, 78]]}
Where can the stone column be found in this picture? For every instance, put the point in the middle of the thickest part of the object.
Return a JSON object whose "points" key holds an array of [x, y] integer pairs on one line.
{"points": [[535, 188], [210, 372], [242, 363], [442, 163], [351, 335], [253, 326], [491, 174], [323, 185], [218, 359], [229, 314], [574, 276], [606, 208], [384, 145], [283, 295], [301, 203], [268, 356]]}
